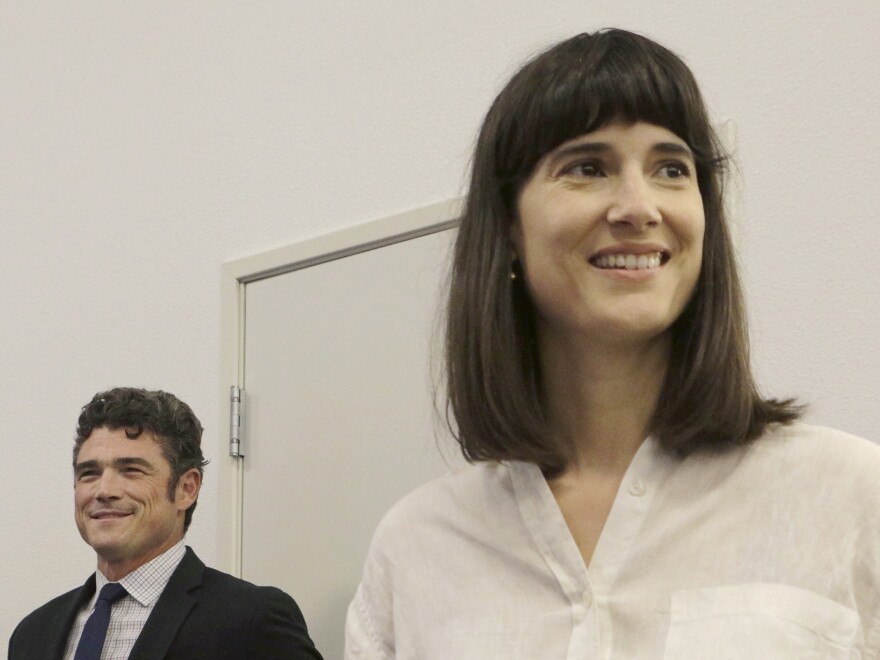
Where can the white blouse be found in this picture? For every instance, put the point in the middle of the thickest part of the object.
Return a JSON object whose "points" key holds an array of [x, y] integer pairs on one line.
{"points": [[767, 551]]}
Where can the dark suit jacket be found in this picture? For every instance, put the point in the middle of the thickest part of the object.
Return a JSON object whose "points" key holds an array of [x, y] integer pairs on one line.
{"points": [[202, 614]]}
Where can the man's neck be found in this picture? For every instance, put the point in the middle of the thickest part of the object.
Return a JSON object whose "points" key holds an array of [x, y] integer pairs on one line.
{"points": [[116, 570]]}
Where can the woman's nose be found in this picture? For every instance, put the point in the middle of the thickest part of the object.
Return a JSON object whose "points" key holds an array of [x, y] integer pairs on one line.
{"points": [[633, 203]]}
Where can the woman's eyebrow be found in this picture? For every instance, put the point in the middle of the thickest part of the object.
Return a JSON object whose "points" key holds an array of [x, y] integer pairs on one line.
{"points": [[579, 149], [673, 148], [592, 148]]}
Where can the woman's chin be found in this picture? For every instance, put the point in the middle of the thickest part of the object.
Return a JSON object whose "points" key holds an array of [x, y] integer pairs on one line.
{"points": [[629, 327]]}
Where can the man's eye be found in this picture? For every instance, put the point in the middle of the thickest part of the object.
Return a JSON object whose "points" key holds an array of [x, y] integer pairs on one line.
{"points": [[133, 470], [85, 476]]}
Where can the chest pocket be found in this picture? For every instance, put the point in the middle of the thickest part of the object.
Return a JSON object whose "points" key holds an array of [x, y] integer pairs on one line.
{"points": [[749, 621]]}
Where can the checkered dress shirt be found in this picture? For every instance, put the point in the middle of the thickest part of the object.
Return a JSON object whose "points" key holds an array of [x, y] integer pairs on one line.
{"points": [[130, 613]]}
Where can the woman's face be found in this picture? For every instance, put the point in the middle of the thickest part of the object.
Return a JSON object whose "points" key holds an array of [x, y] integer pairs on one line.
{"points": [[610, 234]]}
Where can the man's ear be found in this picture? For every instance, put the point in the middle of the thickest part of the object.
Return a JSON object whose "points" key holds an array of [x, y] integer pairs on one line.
{"points": [[187, 490]]}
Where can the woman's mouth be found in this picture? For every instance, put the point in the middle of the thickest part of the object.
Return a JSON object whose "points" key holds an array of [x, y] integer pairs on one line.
{"points": [[629, 261]]}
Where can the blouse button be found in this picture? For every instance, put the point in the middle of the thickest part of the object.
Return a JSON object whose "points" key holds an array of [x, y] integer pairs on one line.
{"points": [[637, 488], [588, 599]]}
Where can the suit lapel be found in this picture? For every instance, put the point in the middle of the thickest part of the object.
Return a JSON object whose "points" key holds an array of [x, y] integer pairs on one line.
{"points": [[57, 630], [171, 610]]}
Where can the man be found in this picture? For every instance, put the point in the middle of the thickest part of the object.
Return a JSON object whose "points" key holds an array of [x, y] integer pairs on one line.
{"points": [[138, 467]]}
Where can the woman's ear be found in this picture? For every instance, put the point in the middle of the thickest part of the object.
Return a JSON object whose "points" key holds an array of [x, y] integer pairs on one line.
{"points": [[516, 241]]}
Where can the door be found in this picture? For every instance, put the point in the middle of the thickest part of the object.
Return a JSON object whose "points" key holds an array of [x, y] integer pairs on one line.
{"points": [[340, 361]]}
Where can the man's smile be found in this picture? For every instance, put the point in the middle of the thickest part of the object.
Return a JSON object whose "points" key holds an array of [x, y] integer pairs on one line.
{"points": [[108, 514]]}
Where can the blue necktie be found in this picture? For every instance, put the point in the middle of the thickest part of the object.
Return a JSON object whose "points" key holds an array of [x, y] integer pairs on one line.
{"points": [[91, 643]]}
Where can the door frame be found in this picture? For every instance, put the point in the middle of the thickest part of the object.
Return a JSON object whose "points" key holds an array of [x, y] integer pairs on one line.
{"points": [[236, 274]]}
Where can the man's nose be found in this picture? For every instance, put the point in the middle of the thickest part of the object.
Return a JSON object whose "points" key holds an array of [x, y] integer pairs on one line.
{"points": [[109, 485]]}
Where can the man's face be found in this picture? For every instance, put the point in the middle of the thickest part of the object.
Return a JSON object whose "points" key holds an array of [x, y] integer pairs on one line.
{"points": [[122, 505]]}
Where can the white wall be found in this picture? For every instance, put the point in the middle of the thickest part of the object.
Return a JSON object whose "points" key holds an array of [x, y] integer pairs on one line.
{"points": [[144, 143]]}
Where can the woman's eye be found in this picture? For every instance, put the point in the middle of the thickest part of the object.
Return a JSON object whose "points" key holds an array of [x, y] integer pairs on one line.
{"points": [[675, 170], [587, 169]]}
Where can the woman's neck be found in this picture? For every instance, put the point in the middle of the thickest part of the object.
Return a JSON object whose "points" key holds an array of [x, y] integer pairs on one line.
{"points": [[601, 398]]}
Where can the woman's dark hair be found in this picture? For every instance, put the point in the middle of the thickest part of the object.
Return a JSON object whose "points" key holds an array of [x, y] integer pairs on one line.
{"points": [[170, 420], [709, 398]]}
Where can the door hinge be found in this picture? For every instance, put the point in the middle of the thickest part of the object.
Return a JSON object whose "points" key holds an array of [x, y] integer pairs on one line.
{"points": [[236, 410]]}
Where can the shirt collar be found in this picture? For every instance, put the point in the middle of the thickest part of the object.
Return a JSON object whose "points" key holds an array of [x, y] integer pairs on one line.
{"points": [[146, 583], [649, 468]]}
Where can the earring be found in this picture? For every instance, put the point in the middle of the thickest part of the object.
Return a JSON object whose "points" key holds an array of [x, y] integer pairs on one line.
{"points": [[514, 265]]}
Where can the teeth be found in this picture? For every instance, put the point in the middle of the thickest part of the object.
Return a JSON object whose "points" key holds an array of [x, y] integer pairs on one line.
{"points": [[629, 261]]}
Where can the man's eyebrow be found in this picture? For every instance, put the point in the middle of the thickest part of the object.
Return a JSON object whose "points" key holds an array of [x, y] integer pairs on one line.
{"points": [[117, 463], [132, 460], [85, 465]]}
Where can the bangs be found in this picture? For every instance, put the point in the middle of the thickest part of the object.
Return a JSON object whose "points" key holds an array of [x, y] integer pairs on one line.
{"points": [[587, 82]]}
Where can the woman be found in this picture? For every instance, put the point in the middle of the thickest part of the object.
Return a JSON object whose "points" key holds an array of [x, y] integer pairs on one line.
{"points": [[632, 495]]}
